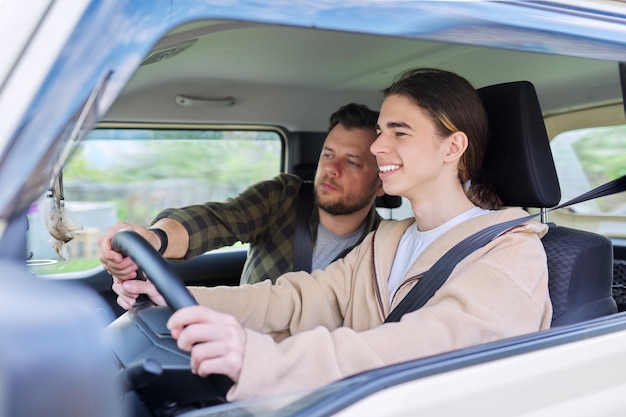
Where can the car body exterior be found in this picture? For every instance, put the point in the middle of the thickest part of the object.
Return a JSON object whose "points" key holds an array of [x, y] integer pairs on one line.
{"points": [[76, 68]]}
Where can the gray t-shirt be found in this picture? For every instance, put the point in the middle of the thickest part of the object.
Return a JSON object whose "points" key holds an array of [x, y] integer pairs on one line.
{"points": [[329, 245]]}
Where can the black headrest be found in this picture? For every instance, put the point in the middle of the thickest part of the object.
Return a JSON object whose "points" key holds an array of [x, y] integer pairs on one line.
{"points": [[388, 201], [518, 161], [305, 171]]}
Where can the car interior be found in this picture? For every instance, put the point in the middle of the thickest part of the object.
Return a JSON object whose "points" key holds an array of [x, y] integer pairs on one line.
{"points": [[518, 140], [228, 75], [205, 61], [518, 143]]}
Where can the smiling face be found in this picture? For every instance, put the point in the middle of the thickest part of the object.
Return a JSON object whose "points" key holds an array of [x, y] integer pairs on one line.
{"points": [[346, 179], [414, 160]]}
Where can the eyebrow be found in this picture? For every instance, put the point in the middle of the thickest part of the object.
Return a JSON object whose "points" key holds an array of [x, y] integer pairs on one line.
{"points": [[395, 125]]}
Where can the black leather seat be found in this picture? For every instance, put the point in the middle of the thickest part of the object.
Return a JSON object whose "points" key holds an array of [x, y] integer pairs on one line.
{"points": [[519, 163]]}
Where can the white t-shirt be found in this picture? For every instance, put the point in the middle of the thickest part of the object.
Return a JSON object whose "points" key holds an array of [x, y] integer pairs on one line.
{"points": [[414, 242]]}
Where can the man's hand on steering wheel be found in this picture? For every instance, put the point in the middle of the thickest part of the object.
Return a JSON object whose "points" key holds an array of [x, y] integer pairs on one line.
{"points": [[115, 263], [129, 290]]}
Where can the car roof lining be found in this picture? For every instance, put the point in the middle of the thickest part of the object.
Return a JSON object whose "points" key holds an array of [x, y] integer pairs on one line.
{"points": [[297, 69]]}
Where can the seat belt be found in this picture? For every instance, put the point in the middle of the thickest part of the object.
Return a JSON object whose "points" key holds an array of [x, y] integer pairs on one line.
{"points": [[303, 249], [434, 278]]}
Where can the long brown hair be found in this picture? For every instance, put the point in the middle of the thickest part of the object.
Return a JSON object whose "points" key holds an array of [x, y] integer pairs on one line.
{"points": [[453, 105]]}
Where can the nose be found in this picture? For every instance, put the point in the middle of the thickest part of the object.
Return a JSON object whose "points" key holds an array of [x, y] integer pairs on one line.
{"points": [[379, 145], [332, 168]]}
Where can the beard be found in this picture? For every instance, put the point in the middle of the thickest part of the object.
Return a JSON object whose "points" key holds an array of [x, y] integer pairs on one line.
{"points": [[344, 205]]}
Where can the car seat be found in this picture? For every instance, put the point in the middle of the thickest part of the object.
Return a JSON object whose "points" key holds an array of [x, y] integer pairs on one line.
{"points": [[519, 163]]}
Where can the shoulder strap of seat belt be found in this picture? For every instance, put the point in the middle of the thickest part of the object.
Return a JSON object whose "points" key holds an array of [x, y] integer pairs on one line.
{"points": [[303, 250], [434, 278]]}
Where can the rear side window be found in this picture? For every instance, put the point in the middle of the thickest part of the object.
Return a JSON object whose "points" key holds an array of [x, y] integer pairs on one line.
{"points": [[131, 175], [587, 158]]}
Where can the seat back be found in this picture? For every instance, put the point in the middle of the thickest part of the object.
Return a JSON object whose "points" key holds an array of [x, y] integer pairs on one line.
{"points": [[519, 163]]}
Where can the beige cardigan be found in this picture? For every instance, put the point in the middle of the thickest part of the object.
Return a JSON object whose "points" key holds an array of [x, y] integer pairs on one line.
{"points": [[311, 329]]}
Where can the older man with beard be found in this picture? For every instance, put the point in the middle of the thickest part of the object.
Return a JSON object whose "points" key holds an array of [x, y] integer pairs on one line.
{"points": [[265, 215]]}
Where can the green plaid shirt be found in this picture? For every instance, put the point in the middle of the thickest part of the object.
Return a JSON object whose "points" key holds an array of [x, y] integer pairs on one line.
{"points": [[263, 215]]}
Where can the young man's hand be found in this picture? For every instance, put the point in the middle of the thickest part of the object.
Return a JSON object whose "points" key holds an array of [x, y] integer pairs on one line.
{"points": [[215, 340]]}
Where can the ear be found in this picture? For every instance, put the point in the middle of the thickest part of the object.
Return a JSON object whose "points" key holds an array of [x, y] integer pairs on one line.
{"points": [[457, 144]]}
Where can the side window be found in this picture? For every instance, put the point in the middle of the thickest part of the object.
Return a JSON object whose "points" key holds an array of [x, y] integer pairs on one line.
{"points": [[584, 159], [131, 175]]}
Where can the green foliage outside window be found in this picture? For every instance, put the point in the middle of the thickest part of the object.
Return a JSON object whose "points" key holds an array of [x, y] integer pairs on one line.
{"points": [[145, 171]]}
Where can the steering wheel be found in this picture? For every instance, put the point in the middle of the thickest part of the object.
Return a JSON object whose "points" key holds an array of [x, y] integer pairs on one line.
{"points": [[169, 285], [155, 373]]}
